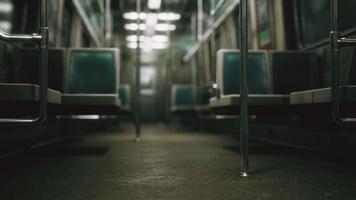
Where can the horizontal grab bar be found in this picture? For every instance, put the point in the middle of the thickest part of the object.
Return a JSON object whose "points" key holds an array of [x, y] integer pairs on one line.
{"points": [[19, 37], [344, 42]]}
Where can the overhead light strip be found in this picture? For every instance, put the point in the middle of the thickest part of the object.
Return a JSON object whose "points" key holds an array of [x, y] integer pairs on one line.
{"points": [[164, 16]]}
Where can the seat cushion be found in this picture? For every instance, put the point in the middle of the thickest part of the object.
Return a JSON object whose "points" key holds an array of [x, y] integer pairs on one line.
{"points": [[184, 108], [91, 99], [253, 100], [26, 92], [323, 95]]}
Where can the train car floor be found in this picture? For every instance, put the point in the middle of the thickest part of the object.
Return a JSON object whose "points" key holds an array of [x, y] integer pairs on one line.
{"points": [[171, 164]]}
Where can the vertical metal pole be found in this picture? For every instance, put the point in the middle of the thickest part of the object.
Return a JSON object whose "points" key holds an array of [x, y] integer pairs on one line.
{"points": [[43, 57], [244, 139], [137, 76], [200, 20], [334, 37], [59, 22], [212, 56], [108, 23]]}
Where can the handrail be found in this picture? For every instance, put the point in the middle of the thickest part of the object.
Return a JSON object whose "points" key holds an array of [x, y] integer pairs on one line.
{"points": [[244, 132], [336, 43], [19, 37], [191, 52], [42, 40]]}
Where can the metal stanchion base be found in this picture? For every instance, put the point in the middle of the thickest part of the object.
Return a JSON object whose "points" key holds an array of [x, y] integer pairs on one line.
{"points": [[244, 174]]}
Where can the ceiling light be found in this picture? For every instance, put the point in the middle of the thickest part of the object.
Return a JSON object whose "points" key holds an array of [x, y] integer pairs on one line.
{"points": [[158, 27], [154, 4], [155, 38], [5, 7], [169, 16], [153, 45], [159, 45], [151, 19], [134, 27], [134, 15], [133, 38], [165, 27], [159, 38], [163, 16]]}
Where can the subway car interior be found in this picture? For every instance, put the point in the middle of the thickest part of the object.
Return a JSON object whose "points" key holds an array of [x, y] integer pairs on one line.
{"points": [[177, 99]]}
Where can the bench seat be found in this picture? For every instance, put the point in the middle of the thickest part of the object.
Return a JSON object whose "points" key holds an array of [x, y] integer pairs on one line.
{"points": [[26, 92], [323, 95], [253, 100], [91, 99]]}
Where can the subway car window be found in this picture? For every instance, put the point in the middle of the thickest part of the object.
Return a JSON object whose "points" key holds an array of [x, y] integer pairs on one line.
{"points": [[177, 99]]}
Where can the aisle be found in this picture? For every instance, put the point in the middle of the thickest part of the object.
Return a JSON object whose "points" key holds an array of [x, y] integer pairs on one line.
{"points": [[171, 165]]}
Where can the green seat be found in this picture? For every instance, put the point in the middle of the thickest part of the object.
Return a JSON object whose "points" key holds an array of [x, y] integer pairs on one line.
{"points": [[259, 81], [293, 71], [4, 76], [271, 77], [91, 77], [323, 95], [204, 95], [229, 68], [27, 66], [182, 98], [92, 71], [124, 95]]}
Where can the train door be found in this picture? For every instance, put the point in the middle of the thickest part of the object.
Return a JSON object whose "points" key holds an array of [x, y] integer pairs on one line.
{"points": [[148, 94]]}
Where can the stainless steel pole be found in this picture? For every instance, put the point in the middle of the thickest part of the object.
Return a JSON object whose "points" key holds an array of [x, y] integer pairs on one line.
{"points": [[137, 75], [43, 58], [244, 132]]}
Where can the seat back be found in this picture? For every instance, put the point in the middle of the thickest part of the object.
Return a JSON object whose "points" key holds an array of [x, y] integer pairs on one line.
{"points": [[4, 71], [293, 71], [182, 95], [92, 71], [228, 74], [27, 65], [204, 94], [351, 75], [124, 95]]}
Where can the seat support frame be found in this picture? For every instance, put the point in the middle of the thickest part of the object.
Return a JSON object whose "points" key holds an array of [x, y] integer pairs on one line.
{"points": [[336, 43], [42, 40]]}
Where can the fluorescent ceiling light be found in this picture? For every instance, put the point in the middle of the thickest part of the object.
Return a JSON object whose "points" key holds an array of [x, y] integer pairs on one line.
{"points": [[133, 45], [134, 15], [160, 38], [133, 38], [165, 27], [158, 27], [154, 4], [169, 16], [163, 16], [153, 45], [134, 27], [155, 38], [5, 7], [151, 19], [147, 44]]}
